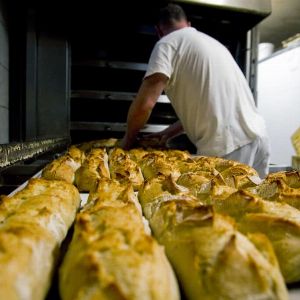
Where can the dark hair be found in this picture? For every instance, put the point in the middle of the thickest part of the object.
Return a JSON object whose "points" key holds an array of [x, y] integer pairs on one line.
{"points": [[170, 14]]}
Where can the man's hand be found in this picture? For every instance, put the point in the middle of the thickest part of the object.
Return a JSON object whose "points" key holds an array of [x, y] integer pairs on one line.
{"points": [[125, 143], [160, 138], [141, 107], [166, 134]]}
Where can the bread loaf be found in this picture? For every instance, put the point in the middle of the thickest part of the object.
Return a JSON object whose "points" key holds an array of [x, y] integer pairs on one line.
{"points": [[292, 178], [280, 187], [124, 169], [156, 164], [278, 221], [34, 222], [206, 188], [103, 143], [94, 167], [65, 166], [111, 256], [211, 259]]}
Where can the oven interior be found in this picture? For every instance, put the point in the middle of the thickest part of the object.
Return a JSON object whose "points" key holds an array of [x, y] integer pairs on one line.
{"points": [[76, 67]]}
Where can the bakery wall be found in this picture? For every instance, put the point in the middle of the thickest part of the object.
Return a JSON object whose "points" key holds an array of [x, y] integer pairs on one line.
{"points": [[4, 74], [278, 89]]}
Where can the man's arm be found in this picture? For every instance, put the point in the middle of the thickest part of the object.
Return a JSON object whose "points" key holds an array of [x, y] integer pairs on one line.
{"points": [[168, 133], [141, 108]]}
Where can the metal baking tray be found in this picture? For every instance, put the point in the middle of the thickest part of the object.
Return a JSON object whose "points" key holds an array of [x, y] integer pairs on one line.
{"points": [[53, 294]]}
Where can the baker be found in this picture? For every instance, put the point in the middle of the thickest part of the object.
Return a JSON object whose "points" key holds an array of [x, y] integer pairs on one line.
{"points": [[208, 91]]}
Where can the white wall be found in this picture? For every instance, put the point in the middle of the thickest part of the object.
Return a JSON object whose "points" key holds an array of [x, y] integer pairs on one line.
{"points": [[278, 89], [4, 57]]}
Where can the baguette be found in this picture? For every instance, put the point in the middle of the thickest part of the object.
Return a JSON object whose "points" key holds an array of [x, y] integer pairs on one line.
{"points": [[292, 178], [155, 164], [103, 143], [207, 189], [124, 169], [34, 223], [94, 167], [64, 167], [111, 256], [278, 190], [280, 222], [211, 259]]}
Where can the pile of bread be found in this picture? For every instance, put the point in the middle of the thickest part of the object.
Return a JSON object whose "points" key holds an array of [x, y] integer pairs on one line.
{"points": [[217, 231]]}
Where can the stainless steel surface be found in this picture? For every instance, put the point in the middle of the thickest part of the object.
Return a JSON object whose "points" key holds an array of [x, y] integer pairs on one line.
{"points": [[262, 7], [283, 23], [106, 126], [279, 168], [112, 64], [111, 95], [294, 294]]}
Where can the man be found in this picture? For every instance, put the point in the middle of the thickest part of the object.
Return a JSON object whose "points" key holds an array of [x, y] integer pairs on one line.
{"points": [[207, 90]]}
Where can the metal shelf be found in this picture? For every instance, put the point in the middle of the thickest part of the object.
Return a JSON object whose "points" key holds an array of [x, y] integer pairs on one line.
{"points": [[107, 126], [110, 95], [111, 64]]}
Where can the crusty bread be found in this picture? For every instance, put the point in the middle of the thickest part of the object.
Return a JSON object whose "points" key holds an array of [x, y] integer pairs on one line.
{"points": [[177, 155], [191, 166], [240, 176], [34, 222], [111, 256], [278, 221], [65, 166], [278, 190], [292, 178], [218, 163], [93, 168], [162, 189], [211, 259], [156, 164], [124, 169], [280, 187], [103, 143], [206, 188], [77, 154], [137, 154]]}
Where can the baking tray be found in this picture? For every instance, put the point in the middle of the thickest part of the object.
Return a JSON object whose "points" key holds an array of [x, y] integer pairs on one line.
{"points": [[53, 294]]}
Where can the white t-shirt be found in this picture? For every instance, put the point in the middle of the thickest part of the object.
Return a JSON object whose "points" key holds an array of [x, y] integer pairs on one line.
{"points": [[207, 90]]}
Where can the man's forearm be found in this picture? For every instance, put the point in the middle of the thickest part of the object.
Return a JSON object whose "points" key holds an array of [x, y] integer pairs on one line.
{"points": [[174, 129], [137, 117], [140, 109]]}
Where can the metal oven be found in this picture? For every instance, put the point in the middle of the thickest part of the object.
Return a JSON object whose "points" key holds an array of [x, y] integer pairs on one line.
{"points": [[75, 68]]}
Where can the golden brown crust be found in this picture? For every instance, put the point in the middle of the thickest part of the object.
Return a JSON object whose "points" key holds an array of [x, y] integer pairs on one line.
{"points": [[205, 187], [77, 154], [103, 143], [291, 179], [278, 221], [111, 256], [155, 164], [213, 260], [94, 167], [124, 169], [111, 253], [280, 187], [34, 222], [65, 166]]}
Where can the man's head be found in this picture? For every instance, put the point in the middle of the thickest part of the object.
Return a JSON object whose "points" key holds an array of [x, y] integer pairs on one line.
{"points": [[171, 18]]}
